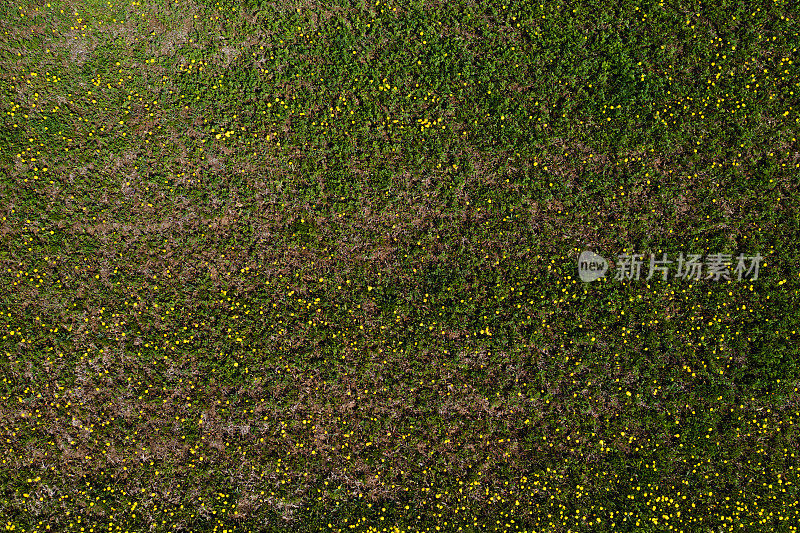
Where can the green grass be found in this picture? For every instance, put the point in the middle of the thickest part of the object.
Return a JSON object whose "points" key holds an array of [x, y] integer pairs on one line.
{"points": [[313, 266]]}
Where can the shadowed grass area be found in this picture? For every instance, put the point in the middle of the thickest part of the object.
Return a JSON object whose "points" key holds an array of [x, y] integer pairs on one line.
{"points": [[273, 265]]}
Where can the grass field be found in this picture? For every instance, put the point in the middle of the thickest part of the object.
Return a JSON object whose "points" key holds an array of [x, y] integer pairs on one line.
{"points": [[312, 266]]}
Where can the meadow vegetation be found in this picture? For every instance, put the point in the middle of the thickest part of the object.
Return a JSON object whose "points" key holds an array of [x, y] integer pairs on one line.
{"points": [[311, 266]]}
